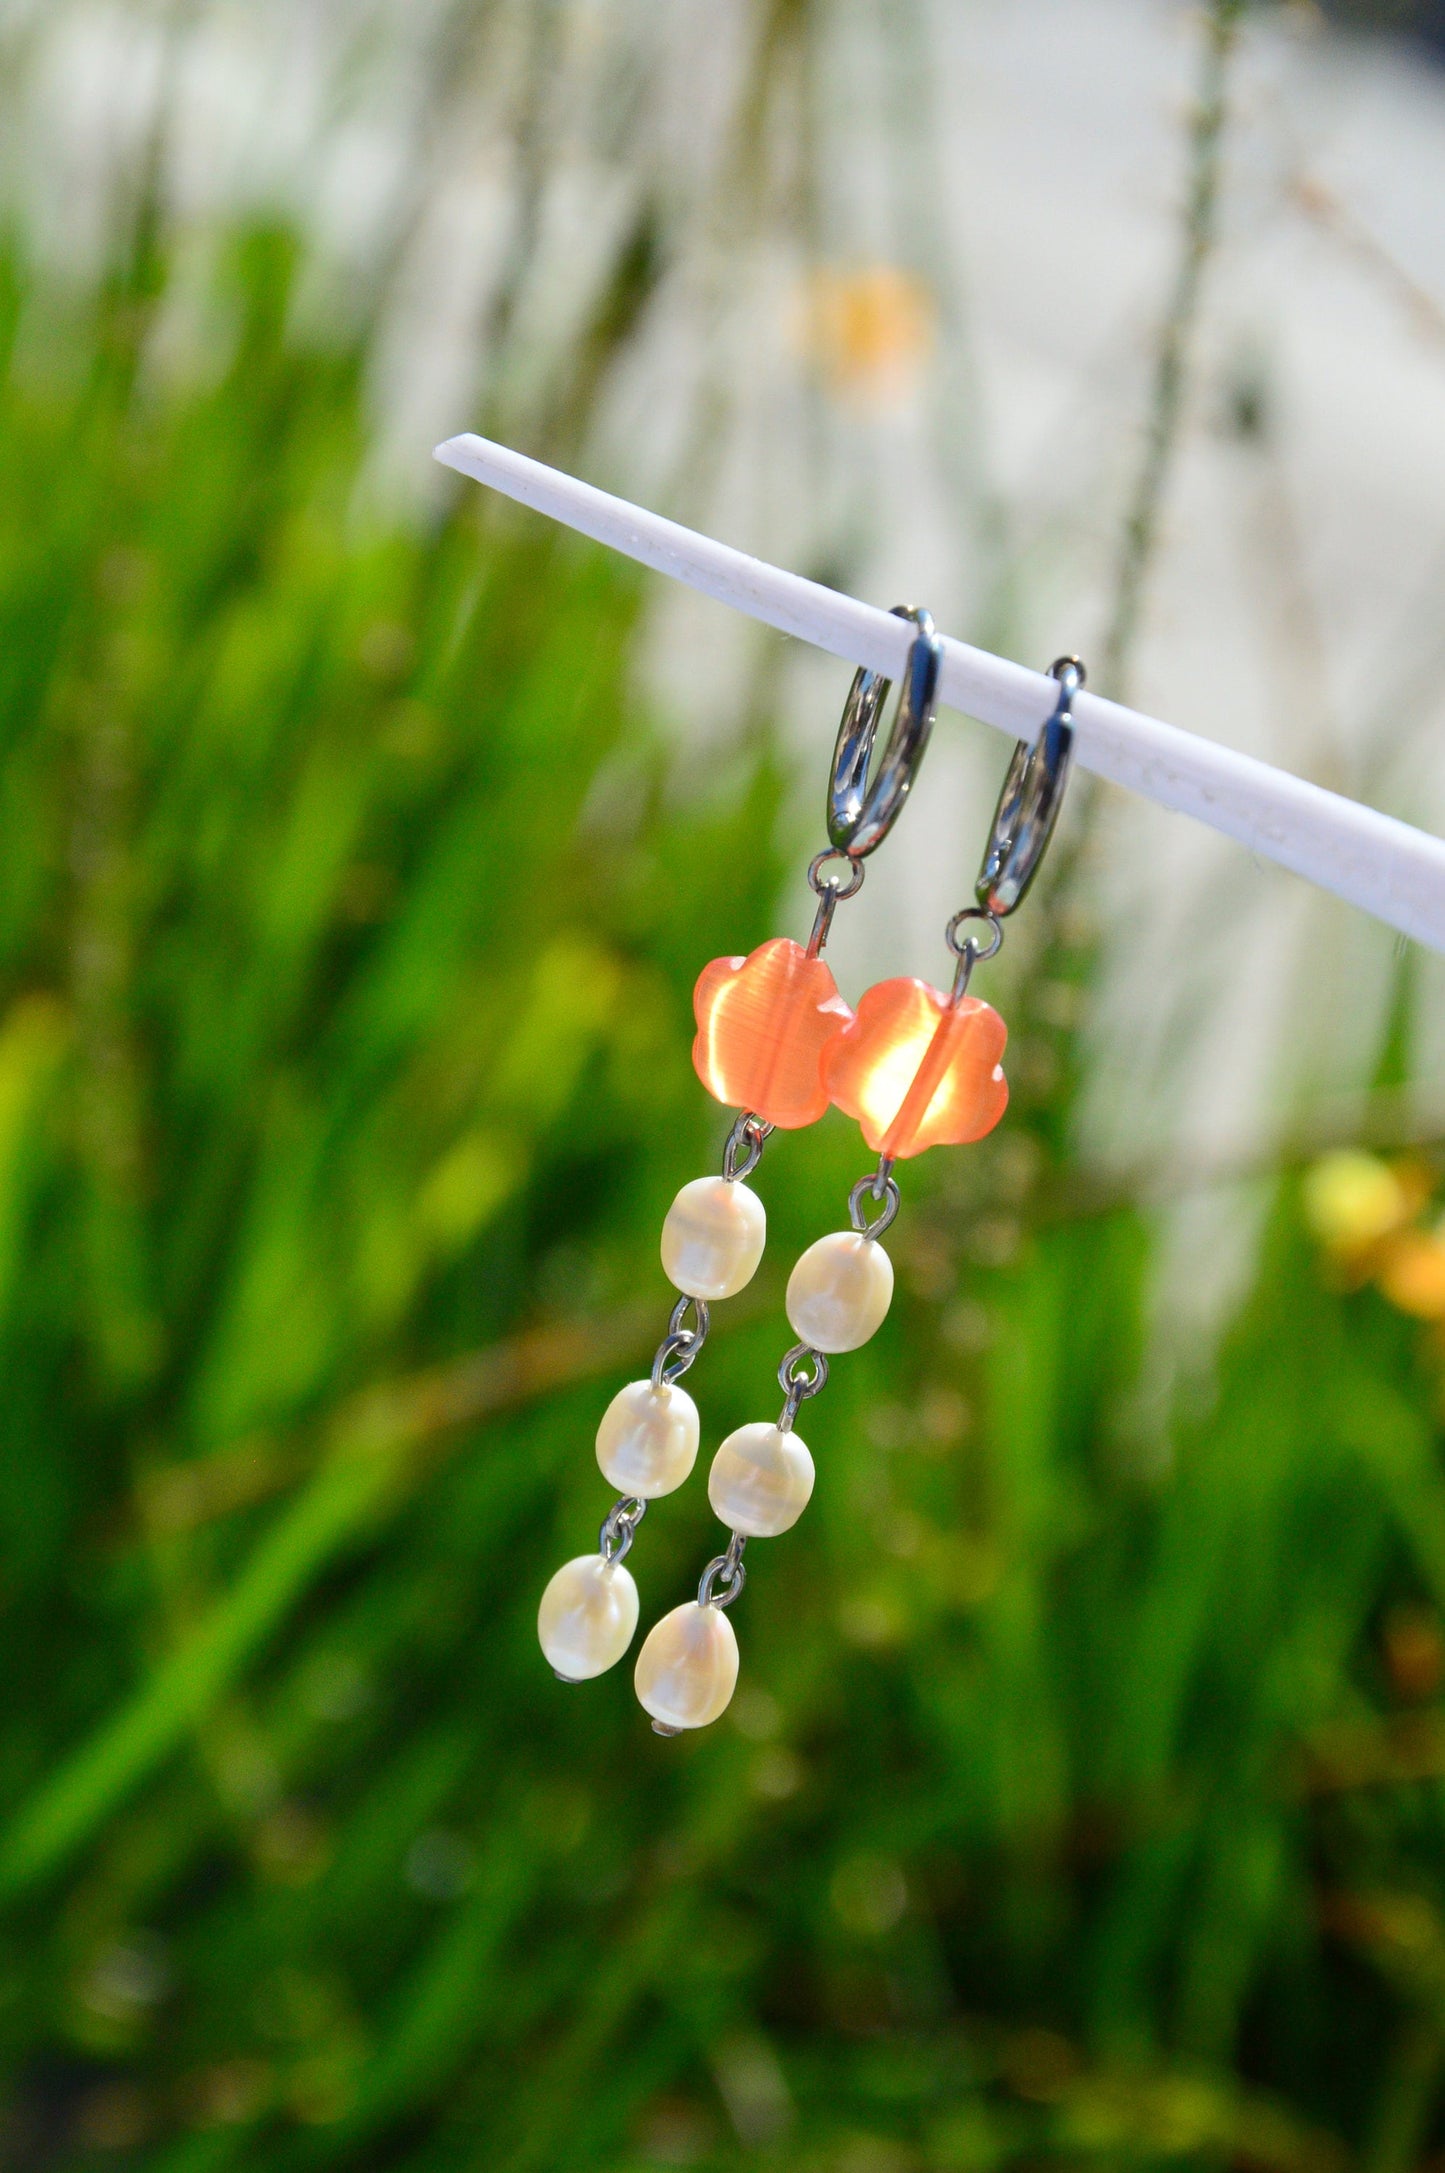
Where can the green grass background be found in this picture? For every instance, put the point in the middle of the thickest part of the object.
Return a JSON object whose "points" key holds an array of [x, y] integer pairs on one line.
{"points": [[1068, 1811]]}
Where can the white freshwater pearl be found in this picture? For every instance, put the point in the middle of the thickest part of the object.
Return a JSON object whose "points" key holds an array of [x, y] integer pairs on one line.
{"points": [[587, 1616], [840, 1291], [688, 1666], [761, 1480], [647, 1442], [713, 1237]]}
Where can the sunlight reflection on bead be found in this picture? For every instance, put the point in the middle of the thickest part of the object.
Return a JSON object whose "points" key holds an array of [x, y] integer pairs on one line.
{"points": [[687, 1669], [587, 1617], [647, 1442], [713, 1237], [917, 1071], [840, 1291], [761, 1480]]}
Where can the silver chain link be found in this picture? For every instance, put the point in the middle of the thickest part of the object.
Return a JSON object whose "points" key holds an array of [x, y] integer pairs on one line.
{"points": [[682, 1344], [829, 894], [798, 1386], [745, 1144], [968, 952], [727, 1568], [881, 1185], [619, 1527]]}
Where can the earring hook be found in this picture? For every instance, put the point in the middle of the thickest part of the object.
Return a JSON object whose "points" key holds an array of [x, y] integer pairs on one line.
{"points": [[861, 815], [1028, 806]]}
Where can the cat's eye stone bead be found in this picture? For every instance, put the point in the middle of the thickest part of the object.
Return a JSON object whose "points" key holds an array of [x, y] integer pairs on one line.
{"points": [[840, 1291], [761, 1480], [713, 1237], [763, 1024], [687, 1669], [647, 1442], [918, 1070], [587, 1617]]}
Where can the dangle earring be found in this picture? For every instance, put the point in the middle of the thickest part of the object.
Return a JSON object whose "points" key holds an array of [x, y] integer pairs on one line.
{"points": [[917, 1069], [764, 1025]]}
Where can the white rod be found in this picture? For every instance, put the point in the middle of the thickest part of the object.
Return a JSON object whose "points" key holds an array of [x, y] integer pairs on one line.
{"points": [[1395, 872]]}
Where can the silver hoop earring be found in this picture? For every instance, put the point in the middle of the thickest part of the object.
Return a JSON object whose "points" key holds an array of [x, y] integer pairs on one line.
{"points": [[1028, 806], [861, 815]]}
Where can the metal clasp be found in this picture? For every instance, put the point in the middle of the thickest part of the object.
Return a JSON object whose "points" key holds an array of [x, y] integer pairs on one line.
{"points": [[861, 815], [1028, 806]]}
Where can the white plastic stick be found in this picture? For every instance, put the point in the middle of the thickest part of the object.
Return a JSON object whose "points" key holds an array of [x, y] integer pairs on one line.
{"points": [[1375, 862]]}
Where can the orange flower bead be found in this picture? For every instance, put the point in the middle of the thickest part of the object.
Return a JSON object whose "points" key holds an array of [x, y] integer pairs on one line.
{"points": [[917, 1071], [763, 1025]]}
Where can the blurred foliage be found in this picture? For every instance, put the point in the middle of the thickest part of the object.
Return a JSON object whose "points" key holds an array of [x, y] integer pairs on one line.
{"points": [[1082, 1797]]}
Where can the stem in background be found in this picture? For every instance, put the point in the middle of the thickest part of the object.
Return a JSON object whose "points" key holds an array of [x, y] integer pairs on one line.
{"points": [[1408, 2096], [1171, 363], [1062, 922]]}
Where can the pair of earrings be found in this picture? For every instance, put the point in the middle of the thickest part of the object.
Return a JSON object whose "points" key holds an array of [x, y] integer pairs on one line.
{"points": [[777, 1042]]}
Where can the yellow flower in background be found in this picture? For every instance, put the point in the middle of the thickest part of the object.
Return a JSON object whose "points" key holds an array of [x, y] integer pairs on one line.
{"points": [[1363, 1212], [1412, 1273], [1352, 1200], [869, 332]]}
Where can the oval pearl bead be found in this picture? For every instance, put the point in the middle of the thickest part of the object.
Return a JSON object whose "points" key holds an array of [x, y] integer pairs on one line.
{"points": [[713, 1237], [688, 1666], [647, 1442], [761, 1480], [840, 1291], [587, 1617]]}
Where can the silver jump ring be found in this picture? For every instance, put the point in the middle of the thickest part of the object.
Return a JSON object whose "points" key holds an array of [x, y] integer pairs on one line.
{"points": [[966, 950], [830, 894], [836, 891], [680, 1346], [803, 1385], [727, 1566], [869, 1188], [744, 1149], [798, 1386], [1028, 806], [619, 1527], [961, 946], [861, 815]]}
